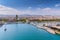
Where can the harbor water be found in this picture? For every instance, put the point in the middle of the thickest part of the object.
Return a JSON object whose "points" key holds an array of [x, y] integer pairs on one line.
{"points": [[25, 32]]}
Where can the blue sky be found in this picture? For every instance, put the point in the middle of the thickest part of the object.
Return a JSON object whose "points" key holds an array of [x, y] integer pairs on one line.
{"points": [[32, 4], [23, 4]]}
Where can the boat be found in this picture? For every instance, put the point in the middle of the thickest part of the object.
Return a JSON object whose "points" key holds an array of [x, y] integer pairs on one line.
{"points": [[55, 28], [5, 29]]}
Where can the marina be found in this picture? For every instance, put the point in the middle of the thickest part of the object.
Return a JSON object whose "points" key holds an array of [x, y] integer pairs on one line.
{"points": [[29, 19], [54, 28]]}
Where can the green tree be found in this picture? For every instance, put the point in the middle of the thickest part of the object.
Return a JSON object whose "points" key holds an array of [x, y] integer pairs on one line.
{"points": [[5, 20]]}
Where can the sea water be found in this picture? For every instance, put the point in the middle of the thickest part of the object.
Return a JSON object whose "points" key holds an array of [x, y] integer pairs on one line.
{"points": [[25, 32]]}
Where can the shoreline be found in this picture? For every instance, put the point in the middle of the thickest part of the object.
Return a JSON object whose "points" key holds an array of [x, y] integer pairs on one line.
{"points": [[50, 30]]}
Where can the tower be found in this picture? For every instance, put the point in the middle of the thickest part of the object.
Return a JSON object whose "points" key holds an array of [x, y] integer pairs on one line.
{"points": [[16, 18]]}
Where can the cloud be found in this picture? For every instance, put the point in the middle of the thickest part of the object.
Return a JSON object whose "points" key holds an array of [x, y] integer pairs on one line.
{"points": [[49, 11], [8, 11], [37, 11], [42, 11], [46, 11], [29, 7], [57, 5]]}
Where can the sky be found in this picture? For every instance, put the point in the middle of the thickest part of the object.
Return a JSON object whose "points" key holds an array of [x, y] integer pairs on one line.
{"points": [[32, 7]]}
